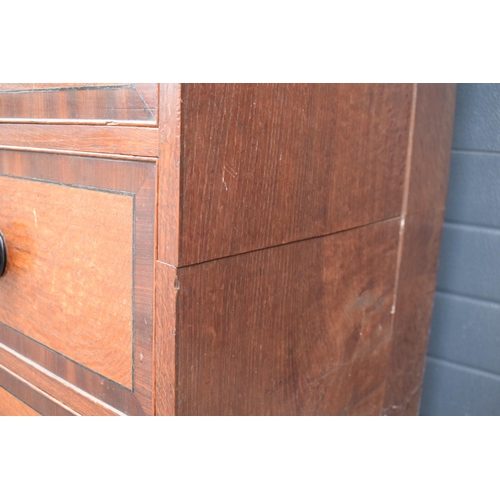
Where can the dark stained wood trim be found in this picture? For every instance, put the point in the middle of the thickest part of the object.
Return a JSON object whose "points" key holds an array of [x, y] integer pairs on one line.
{"points": [[31, 396], [99, 173], [67, 394], [11, 406], [73, 373], [104, 123], [169, 173], [130, 141], [81, 154], [85, 104], [44, 87]]}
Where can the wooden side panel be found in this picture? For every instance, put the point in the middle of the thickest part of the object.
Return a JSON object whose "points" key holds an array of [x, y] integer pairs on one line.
{"points": [[274, 163], [423, 215], [114, 102], [300, 329], [68, 282], [415, 297], [135, 141], [14, 407], [166, 335], [432, 138]]}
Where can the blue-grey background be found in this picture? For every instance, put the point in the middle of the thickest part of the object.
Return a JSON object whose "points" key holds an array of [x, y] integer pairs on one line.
{"points": [[462, 373]]}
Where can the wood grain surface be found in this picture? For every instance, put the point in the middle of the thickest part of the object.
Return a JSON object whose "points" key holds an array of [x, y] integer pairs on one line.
{"points": [[68, 282], [414, 301], [84, 390], [33, 398], [29, 87], [169, 174], [79, 102], [27, 379], [99, 173], [269, 164], [166, 276], [264, 247], [144, 254], [14, 407], [134, 141], [167, 287], [431, 151], [80, 180], [423, 214], [300, 329]]}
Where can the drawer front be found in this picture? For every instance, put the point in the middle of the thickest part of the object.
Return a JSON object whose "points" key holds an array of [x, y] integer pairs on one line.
{"points": [[77, 294], [135, 103]]}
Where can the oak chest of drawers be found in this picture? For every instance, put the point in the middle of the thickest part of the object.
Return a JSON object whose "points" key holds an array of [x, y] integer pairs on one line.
{"points": [[219, 249]]}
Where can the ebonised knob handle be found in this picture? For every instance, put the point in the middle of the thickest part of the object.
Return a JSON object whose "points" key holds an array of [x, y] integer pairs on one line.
{"points": [[3, 254]]}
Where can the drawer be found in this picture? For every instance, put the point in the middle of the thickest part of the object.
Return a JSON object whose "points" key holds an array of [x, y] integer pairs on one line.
{"points": [[77, 294], [126, 103]]}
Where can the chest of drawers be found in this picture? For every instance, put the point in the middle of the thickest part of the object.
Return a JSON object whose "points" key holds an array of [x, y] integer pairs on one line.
{"points": [[219, 249]]}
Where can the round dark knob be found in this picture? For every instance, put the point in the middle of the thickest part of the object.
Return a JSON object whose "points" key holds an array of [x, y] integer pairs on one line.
{"points": [[3, 254]]}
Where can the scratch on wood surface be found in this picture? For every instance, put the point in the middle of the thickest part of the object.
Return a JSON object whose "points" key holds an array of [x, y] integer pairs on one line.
{"points": [[231, 172], [35, 89], [36, 221], [405, 402], [224, 181]]}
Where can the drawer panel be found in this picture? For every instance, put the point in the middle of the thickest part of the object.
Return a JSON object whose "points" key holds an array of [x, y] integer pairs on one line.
{"points": [[65, 246], [77, 294], [135, 103]]}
